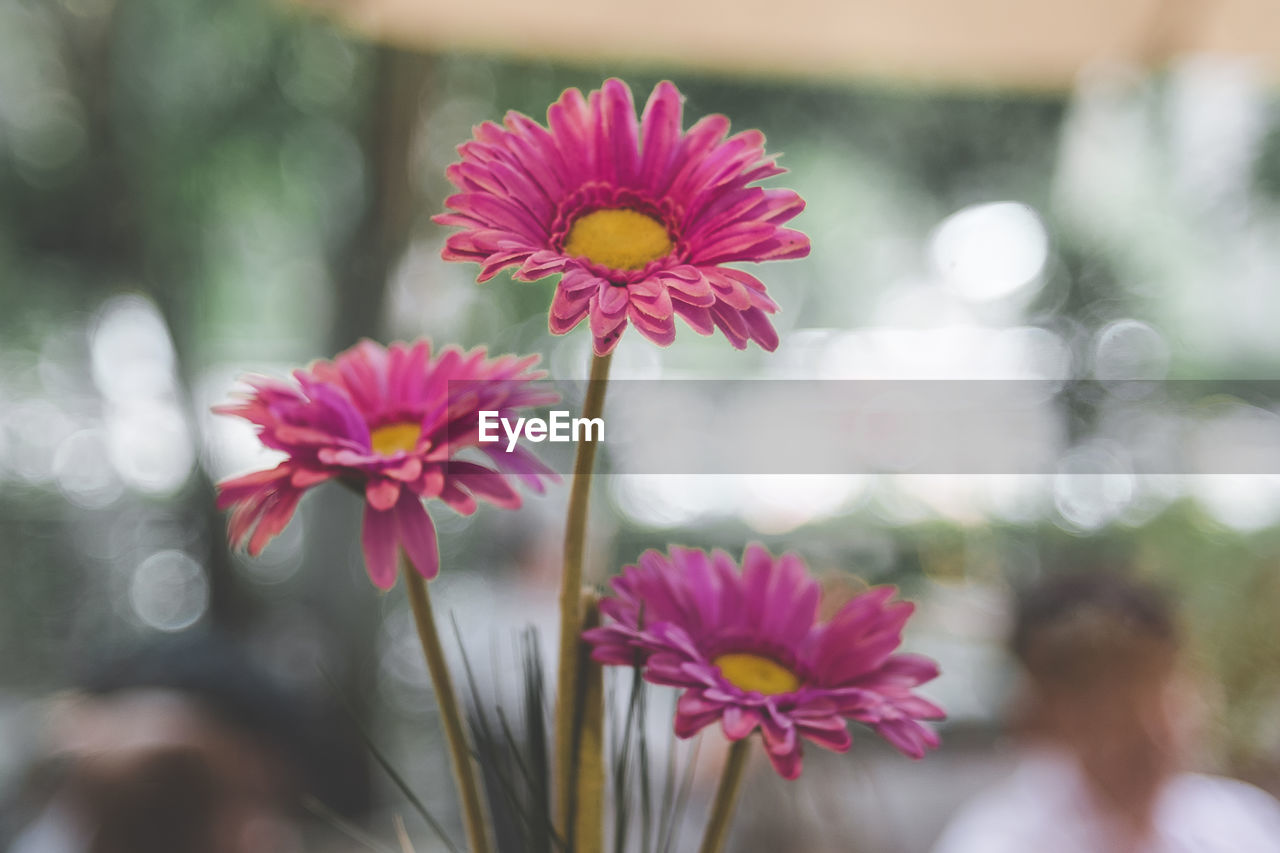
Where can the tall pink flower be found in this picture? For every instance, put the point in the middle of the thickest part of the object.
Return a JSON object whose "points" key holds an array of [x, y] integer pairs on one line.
{"points": [[640, 218], [750, 653], [385, 421]]}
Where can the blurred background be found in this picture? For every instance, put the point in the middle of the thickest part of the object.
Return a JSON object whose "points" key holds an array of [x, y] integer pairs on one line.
{"points": [[193, 189]]}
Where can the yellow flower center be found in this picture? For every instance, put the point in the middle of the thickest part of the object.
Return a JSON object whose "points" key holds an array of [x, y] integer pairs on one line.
{"points": [[620, 239], [755, 673], [392, 438]]}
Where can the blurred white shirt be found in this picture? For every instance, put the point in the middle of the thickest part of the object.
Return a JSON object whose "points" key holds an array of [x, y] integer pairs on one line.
{"points": [[1044, 806]]}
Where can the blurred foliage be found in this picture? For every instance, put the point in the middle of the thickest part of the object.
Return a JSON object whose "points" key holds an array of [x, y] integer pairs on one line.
{"points": [[228, 160]]}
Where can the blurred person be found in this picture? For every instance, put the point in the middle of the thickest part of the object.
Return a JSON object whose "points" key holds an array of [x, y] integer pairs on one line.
{"points": [[187, 747], [1109, 716]]}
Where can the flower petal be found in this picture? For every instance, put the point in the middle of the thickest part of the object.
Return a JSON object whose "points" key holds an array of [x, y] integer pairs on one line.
{"points": [[676, 615], [382, 493], [693, 713], [379, 540], [660, 130], [417, 535], [738, 722], [522, 186]]}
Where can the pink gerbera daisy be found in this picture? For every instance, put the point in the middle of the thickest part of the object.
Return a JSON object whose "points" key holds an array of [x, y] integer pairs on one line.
{"points": [[384, 421], [749, 651], [639, 217]]}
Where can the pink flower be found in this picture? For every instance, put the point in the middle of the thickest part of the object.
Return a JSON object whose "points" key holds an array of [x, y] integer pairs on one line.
{"points": [[639, 217], [750, 653], [387, 422]]}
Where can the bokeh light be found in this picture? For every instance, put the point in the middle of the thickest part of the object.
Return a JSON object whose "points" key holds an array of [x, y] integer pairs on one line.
{"points": [[989, 251], [170, 591]]}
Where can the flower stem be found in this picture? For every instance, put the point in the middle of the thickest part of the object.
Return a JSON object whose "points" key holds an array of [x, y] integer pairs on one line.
{"points": [[589, 786], [575, 535], [464, 774], [726, 798]]}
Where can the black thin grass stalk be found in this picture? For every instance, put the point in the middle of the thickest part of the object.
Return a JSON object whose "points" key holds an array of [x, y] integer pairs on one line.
{"points": [[508, 824], [682, 798], [342, 825], [668, 789], [388, 767], [516, 759], [642, 752], [617, 772], [528, 838], [616, 735], [494, 765], [622, 766], [537, 823], [473, 686], [516, 765], [535, 724], [622, 760], [537, 747]]}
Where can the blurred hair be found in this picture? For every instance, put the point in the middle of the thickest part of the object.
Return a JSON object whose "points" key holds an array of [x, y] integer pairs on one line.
{"points": [[1083, 626], [317, 745]]}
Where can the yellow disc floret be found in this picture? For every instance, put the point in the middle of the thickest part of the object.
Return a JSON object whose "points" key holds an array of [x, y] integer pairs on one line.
{"points": [[392, 438], [619, 238], [758, 674]]}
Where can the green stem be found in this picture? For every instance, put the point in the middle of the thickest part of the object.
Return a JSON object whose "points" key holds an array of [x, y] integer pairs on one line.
{"points": [[575, 535], [589, 786], [464, 773], [726, 798]]}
